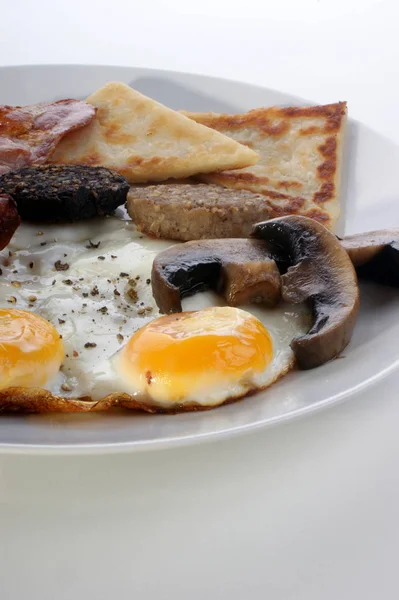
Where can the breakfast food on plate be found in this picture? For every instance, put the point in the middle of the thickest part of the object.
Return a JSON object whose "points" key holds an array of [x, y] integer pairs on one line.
{"points": [[242, 271], [300, 155], [81, 327], [196, 360], [9, 219], [317, 269], [56, 193], [146, 141], [29, 134], [92, 281], [193, 211], [375, 255]]}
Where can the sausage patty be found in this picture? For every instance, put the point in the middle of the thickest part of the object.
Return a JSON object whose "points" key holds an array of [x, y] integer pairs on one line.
{"points": [[194, 211]]}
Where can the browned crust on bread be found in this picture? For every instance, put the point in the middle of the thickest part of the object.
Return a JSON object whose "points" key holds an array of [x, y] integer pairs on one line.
{"points": [[325, 193], [289, 184], [262, 117], [329, 151], [244, 177], [317, 215]]}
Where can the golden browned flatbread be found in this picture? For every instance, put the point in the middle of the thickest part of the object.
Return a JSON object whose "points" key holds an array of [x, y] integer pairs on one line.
{"points": [[146, 141], [300, 152]]}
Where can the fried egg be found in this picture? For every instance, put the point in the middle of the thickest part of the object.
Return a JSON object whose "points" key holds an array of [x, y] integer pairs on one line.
{"points": [[203, 357], [31, 350], [90, 283]]}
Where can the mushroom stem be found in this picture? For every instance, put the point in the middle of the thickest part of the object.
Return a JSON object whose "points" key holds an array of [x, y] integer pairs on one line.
{"points": [[240, 269]]}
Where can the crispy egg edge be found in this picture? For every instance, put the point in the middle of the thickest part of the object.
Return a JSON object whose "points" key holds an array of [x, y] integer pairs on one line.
{"points": [[38, 400]]}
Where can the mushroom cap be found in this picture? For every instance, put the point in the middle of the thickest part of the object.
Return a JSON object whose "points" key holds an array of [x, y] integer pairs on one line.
{"points": [[240, 269], [375, 255], [318, 270]]}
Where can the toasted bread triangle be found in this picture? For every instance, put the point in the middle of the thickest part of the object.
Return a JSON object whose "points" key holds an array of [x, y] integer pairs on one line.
{"points": [[146, 141], [300, 156]]}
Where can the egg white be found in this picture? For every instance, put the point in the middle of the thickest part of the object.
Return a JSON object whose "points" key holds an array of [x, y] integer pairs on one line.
{"points": [[283, 324], [93, 308], [77, 317]]}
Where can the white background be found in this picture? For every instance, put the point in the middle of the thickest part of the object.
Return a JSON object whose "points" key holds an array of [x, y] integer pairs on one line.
{"points": [[304, 511]]}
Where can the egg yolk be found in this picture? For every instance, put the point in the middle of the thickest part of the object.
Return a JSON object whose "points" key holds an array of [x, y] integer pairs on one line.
{"points": [[31, 350], [177, 355]]}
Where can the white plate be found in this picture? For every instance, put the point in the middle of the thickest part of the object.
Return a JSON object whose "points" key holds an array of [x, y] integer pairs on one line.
{"points": [[369, 195]]}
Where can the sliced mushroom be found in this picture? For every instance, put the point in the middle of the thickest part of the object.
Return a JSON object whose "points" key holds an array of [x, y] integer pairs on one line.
{"points": [[240, 269], [317, 270], [375, 255]]}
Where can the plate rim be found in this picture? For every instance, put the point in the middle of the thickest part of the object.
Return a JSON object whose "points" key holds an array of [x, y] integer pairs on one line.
{"points": [[148, 69], [193, 440]]}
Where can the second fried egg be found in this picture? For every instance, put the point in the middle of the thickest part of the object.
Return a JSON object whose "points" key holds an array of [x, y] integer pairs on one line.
{"points": [[204, 357]]}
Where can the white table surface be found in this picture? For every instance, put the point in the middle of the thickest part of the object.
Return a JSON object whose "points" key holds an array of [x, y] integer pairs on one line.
{"points": [[307, 510]]}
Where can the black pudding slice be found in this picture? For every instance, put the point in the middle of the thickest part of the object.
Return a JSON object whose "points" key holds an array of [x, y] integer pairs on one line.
{"points": [[62, 193]]}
